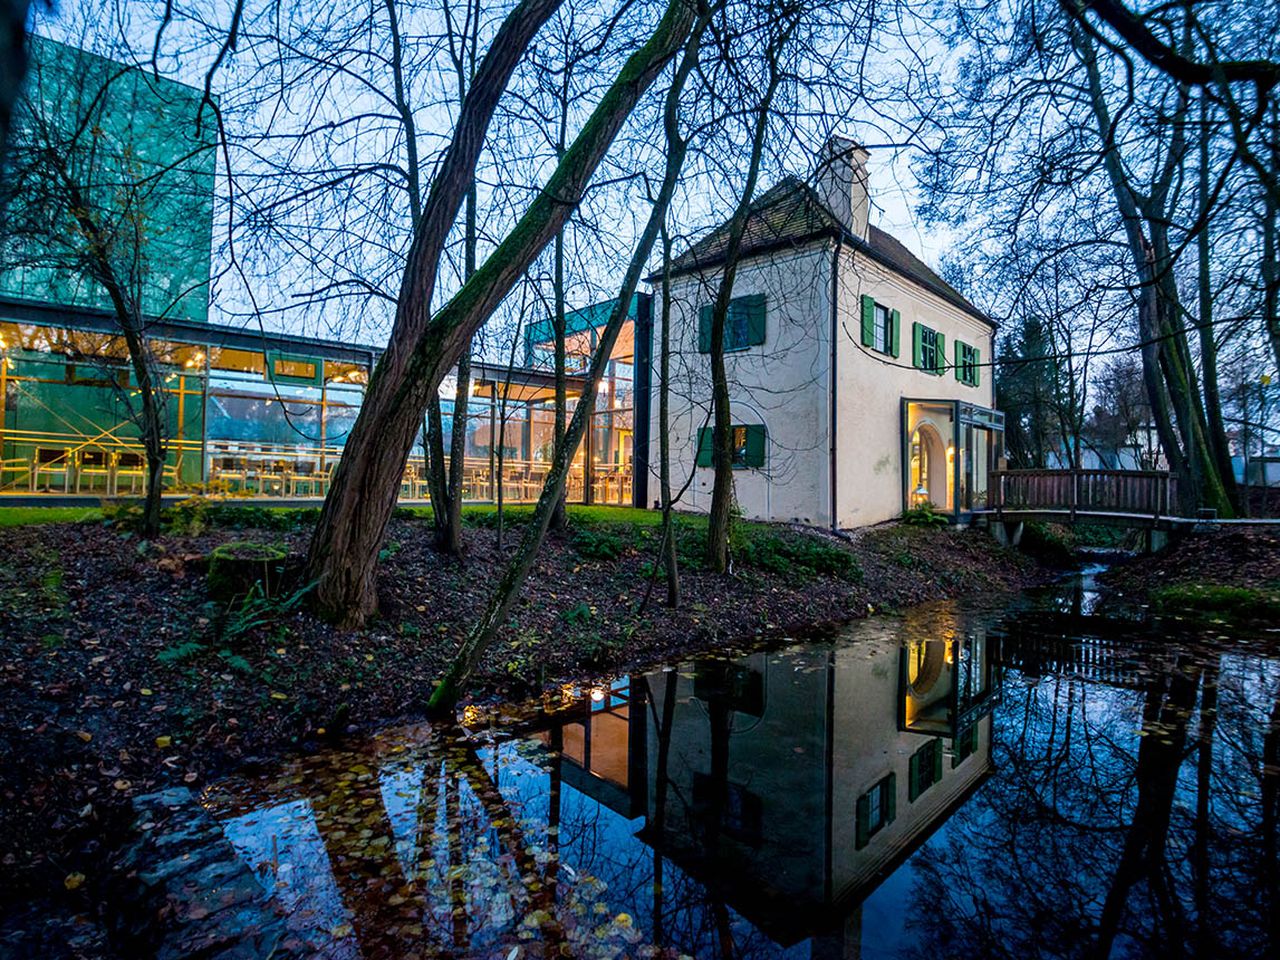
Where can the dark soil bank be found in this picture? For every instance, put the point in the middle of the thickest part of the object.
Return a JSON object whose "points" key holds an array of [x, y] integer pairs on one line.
{"points": [[120, 675], [1244, 558]]}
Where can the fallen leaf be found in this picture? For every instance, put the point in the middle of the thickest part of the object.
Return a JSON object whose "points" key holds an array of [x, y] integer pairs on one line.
{"points": [[163, 742], [73, 880]]}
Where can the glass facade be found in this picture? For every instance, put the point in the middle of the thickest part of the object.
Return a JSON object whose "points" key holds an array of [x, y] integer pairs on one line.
{"points": [[949, 451], [71, 411], [248, 417]]}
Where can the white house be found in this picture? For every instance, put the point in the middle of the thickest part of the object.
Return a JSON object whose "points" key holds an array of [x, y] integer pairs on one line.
{"points": [[859, 378]]}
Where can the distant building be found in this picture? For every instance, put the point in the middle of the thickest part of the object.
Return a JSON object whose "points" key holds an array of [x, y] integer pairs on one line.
{"points": [[859, 378]]}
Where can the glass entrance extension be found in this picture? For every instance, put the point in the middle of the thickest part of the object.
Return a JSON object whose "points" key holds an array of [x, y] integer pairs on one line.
{"points": [[949, 448]]}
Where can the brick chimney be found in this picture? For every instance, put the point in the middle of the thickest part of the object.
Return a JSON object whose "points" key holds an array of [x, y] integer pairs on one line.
{"points": [[842, 183]]}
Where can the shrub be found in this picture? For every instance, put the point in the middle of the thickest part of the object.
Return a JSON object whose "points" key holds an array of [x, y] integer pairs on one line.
{"points": [[924, 515], [236, 569], [594, 543], [190, 516], [257, 611], [802, 555]]}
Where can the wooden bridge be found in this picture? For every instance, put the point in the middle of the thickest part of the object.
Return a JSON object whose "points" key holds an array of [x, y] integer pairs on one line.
{"points": [[1140, 497]]}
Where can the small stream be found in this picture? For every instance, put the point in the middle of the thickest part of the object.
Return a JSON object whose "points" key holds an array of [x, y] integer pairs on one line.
{"points": [[1044, 778]]}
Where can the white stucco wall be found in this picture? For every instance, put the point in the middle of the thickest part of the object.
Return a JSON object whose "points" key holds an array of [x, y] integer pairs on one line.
{"points": [[871, 386], [782, 383]]}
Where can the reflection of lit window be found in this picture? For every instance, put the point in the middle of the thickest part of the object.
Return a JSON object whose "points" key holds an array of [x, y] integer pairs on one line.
{"points": [[876, 809]]}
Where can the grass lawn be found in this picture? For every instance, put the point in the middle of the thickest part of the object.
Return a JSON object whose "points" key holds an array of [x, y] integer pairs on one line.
{"points": [[23, 516], [481, 512]]}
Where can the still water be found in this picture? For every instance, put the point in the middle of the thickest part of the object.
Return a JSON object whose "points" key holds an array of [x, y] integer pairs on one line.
{"points": [[1040, 780]]}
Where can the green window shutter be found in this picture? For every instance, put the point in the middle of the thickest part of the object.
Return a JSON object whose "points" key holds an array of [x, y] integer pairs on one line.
{"points": [[895, 329], [755, 445], [958, 365], [977, 367], [868, 321], [890, 799], [704, 329], [941, 355], [755, 307], [917, 340], [863, 820], [937, 760], [704, 446], [913, 780]]}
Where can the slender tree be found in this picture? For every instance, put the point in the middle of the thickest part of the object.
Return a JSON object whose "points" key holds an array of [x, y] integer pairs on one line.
{"points": [[508, 588]]}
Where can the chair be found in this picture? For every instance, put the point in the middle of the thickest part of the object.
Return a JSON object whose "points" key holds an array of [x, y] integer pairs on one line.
{"points": [[19, 468], [304, 479], [228, 469], [52, 462], [131, 466], [90, 465]]}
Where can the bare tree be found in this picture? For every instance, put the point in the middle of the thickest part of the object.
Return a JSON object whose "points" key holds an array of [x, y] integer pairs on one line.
{"points": [[508, 588], [423, 347]]}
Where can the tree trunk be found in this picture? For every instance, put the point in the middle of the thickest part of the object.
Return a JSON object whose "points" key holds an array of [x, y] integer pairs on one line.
{"points": [[559, 518], [1169, 389], [721, 514], [344, 549], [437, 482], [496, 612], [1207, 339], [669, 556], [1270, 247]]}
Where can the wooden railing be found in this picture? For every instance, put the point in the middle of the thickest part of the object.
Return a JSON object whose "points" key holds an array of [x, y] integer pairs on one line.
{"points": [[1148, 492]]}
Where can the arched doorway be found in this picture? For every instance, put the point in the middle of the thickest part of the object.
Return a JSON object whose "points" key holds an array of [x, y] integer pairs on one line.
{"points": [[929, 468]]}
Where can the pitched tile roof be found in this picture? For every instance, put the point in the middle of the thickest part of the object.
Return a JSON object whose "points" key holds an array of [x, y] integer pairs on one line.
{"points": [[791, 214]]}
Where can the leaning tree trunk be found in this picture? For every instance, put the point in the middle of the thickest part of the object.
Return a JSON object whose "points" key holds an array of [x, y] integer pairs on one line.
{"points": [[344, 549], [446, 694]]}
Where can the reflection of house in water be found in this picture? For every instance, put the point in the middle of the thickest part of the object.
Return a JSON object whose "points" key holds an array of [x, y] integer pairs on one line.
{"points": [[793, 786], [762, 798]]}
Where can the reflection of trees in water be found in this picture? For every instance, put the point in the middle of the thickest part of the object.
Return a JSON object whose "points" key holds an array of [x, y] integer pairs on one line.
{"points": [[1094, 840]]}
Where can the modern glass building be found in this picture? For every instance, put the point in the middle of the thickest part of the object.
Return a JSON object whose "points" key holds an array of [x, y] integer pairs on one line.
{"points": [[247, 414]]}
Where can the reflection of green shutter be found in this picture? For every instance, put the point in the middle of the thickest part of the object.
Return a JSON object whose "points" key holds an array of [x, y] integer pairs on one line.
{"points": [[704, 446], [754, 456], [754, 305], [868, 321], [864, 823], [940, 355], [977, 367], [937, 760], [890, 798], [704, 329], [895, 331], [917, 345], [913, 777]]}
